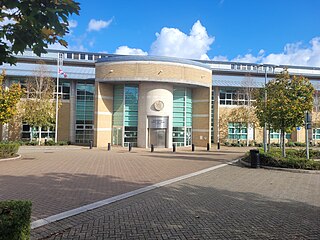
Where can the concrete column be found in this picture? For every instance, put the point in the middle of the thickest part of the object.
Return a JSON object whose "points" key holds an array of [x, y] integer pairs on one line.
{"points": [[149, 93], [216, 137]]}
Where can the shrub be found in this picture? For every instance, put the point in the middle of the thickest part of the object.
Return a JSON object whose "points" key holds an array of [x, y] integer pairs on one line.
{"points": [[227, 144], [8, 149], [61, 143], [49, 143], [15, 218], [296, 158], [32, 143], [291, 144]]}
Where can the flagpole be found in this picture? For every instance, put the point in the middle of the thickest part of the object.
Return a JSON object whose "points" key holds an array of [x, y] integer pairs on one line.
{"points": [[59, 63]]}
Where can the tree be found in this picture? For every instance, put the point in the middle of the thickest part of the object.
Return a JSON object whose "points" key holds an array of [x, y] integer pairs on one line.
{"points": [[33, 24], [39, 106], [9, 98], [288, 100]]}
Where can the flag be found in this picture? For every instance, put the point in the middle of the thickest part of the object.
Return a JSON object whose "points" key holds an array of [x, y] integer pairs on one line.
{"points": [[62, 73]]}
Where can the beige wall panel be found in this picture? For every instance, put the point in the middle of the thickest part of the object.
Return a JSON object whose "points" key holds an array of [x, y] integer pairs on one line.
{"points": [[201, 124], [152, 71], [64, 122], [103, 136], [14, 130]]}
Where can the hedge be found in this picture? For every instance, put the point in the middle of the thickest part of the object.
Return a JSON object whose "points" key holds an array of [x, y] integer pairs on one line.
{"points": [[15, 219], [8, 149]]}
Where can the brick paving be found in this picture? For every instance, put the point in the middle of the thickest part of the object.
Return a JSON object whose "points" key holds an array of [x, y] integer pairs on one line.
{"points": [[64, 178], [232, 202]]}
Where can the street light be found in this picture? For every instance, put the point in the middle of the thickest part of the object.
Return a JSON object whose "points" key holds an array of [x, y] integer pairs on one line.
{"points": [[265, 106], [59, 64]]}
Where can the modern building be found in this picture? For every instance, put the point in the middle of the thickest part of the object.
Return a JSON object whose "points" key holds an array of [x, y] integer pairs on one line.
{"points": [[144, 100]]}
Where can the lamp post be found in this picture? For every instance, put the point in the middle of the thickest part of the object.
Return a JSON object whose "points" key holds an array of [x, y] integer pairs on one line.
{"points": [[265, 106], [59, 64]]}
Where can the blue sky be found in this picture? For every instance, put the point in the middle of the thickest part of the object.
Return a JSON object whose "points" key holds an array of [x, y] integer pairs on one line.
{"points": [[279, 32]]}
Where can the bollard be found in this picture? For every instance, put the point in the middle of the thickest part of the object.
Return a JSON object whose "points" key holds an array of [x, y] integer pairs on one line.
{"points": [[173, 147], [218, 145], [109, 146], [152, 148], [192, 147], [130, 147], [91, 144], [208, 147]]}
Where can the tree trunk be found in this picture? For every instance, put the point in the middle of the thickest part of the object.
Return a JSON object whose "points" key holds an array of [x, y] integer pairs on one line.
{"points": [[248, 126], [269, 139], [283, 143], [39, 136]]}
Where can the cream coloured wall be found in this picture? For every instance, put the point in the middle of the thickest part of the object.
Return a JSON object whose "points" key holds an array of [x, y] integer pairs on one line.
{"points": [[149, 93]]}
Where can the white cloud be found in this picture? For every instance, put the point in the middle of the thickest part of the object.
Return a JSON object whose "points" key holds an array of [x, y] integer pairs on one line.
{"points": [[249, 58], [297, 54], [220, 58], [73, 23], [125, 50], [97, 25], [57, 46], [172, 42]]}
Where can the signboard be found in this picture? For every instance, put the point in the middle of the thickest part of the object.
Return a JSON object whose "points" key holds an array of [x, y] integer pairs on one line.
{"points": [[158, 122]]}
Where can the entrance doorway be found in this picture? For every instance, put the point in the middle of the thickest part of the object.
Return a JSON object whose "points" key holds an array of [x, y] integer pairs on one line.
{"points": [[117, 136], [158, 137]]}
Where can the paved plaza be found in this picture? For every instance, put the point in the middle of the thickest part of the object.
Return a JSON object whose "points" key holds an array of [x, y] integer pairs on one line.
{"points": [[231, 202]]}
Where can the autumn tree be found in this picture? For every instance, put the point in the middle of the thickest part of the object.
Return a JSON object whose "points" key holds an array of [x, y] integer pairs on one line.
{"points": [[33, 24], [9, 98], [39, 105], [288, 100]]}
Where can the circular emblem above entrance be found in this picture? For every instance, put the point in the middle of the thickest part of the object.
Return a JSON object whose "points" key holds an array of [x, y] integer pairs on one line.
{"points": [[158, 105]]}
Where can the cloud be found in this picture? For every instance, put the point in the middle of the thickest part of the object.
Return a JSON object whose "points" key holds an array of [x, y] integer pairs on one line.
{"points": [[297, 54], [249, 58], [172, 42], [220, 58], [97, 25], [73, 23], [125, 50], [57, 46]]}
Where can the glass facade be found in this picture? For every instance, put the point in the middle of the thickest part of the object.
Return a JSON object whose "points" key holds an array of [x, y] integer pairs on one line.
{"points": [[237, 130], [84, 112], [182, 117], [212, 117], [316, 133], [125, 115]]}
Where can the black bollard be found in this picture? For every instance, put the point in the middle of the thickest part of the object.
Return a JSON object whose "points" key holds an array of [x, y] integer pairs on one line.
{"points": [[152, 148], [130, 147], [218, 145], [173, 147], [109, 146], [91, 144], [208, 147], [192, 147]]}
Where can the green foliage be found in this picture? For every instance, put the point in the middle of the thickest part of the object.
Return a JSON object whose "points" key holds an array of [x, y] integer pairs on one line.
{"points": [[15, 218], [9, 99], [40, 105], [296, 158], [33, 24], [287, 101], [8, 149]]}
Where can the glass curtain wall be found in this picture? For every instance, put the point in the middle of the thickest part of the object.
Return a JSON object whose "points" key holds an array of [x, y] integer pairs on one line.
{"points": [[182, 117], [84, 112], [125, 115]]}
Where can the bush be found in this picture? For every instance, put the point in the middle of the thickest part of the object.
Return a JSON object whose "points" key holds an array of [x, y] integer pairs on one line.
{"points": [[227, 144], [8, 149], [15, 218], [296, 158], [49, 143]]}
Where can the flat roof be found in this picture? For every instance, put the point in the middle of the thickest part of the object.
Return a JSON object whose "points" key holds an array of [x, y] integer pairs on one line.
{"points": [[127, 58]]}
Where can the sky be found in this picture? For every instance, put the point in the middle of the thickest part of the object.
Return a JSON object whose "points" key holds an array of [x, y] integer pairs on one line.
{"points": [[254, 31]]}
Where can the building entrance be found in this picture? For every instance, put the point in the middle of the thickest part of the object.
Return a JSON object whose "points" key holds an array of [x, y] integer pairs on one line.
{"points": [[158, 137], [158, 131]]}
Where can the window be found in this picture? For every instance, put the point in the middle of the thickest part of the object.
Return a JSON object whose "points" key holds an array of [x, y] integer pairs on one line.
{"points": [[237, 131], [275, 134], [182, 116], [64, 90], [69, 55], [316, 134], [82, 56], [84, 112], [90, 57], [29, 132], [76, 56], [233, 96]]}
